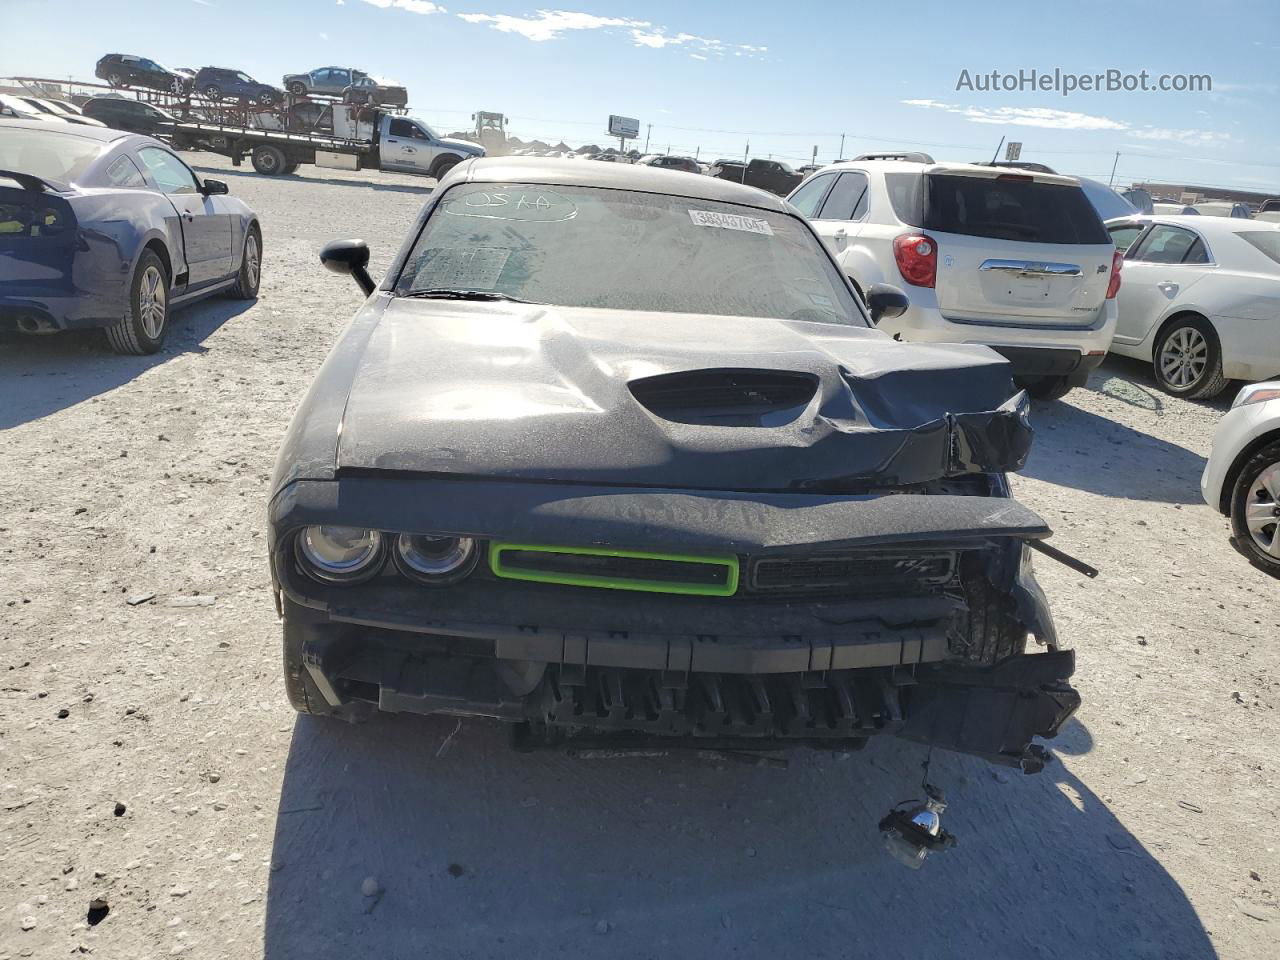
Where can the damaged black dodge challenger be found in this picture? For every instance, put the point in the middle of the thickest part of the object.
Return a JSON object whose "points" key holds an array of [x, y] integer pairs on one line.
{"points": [[618, 450]]}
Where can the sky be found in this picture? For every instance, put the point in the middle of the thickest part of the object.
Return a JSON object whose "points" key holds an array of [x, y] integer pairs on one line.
{"points": [[777, 78]]}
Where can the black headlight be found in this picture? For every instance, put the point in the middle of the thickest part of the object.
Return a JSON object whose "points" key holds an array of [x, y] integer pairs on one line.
{"points": [[333, 554], [433, 559]]}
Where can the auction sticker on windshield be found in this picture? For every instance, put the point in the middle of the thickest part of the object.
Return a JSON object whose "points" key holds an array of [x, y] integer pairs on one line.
{"points": [[731, 221]]}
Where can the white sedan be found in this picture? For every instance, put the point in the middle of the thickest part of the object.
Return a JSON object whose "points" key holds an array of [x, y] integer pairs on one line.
{"points": [[1242, 477], [1200, 299]]}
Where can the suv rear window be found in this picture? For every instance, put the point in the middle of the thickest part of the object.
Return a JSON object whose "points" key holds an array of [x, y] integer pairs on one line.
{"points": [[1008, 209]]}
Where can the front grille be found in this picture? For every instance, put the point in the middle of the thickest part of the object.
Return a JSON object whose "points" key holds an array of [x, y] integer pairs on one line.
{"points": [[616, 569], [851, 572]]}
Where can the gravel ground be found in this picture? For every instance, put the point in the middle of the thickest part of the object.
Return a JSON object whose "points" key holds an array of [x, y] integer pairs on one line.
{"points": [[150, 761]]}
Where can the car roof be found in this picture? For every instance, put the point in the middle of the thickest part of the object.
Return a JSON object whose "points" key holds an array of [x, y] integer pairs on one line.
{"points": [[1209, 226], [625, 176], [102, 134], [953, 169]]}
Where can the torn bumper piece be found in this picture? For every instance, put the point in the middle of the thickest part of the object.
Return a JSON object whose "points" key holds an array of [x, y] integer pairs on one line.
{"points": [[874, 681]]}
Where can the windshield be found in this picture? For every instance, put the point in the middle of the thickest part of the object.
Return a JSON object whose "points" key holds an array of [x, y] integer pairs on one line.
{"points": [[48, 154], [426, 128], [624, 250]]}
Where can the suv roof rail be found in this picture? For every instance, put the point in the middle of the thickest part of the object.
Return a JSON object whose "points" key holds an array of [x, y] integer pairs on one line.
{"points": [[915, 157], [1017, 164]]}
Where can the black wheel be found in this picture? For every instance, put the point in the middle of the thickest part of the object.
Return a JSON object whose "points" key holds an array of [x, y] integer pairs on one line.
{"points": [[146, 321], [177, 86], [444, 165], [267, 98], [1255, 510], [1187, 358], [269, 161], [1048, 388], [290, 168], [213, 92], [115, 80], [250, 274], [298, 88]]}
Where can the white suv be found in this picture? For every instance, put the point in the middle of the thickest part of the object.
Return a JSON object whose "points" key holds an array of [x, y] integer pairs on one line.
{"points": [[1014, 259]]}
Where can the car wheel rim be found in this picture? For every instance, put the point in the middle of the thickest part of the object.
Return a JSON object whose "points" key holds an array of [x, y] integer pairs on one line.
{"points": [[1262, 511], [1184, 357], [251, 260], [151, 302]]}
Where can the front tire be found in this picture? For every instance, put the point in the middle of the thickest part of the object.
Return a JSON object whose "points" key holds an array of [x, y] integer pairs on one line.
{"points": [[250, 274], [444, 165], [1187, 359], [269, 161], [143, 328], [1255, 510]]}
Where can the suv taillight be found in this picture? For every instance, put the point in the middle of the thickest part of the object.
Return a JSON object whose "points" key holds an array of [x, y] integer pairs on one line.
{"points": [[1113, 287], [917, 256]]}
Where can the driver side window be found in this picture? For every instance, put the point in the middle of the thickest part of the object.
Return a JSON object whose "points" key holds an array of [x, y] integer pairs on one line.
{"points": [[170, 174], [810, 195]]}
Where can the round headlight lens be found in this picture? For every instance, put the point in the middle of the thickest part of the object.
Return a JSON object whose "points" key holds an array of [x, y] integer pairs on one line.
{"points": [[339, 553], [435, 559]]}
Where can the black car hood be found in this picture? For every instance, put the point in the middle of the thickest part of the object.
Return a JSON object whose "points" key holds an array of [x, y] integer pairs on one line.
{"points": [[671, 400]]}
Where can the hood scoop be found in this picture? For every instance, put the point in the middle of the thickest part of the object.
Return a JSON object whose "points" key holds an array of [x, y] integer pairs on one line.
{"points": [[727, 397]]}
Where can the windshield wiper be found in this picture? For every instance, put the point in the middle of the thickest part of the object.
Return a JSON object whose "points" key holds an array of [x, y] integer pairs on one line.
{"points": [[445, 293]]}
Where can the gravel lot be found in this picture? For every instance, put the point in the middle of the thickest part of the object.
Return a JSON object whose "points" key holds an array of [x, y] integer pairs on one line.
{"points": [[149, 758]]}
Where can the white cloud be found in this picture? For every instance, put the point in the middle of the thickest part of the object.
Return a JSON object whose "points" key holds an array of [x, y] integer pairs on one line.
{"points": [[697, 56], [324, 36], [548, 24], [423, 7], [1190, 138], [1069, 120], [1025, 116]]}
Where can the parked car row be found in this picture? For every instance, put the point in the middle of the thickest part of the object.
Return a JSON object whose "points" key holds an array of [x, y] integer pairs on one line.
{"points": [[224, 83], [1018, 258]]}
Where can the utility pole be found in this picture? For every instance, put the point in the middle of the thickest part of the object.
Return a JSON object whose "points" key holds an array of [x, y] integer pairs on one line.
{"points": [[648, 130], [1113, 169], [745, 153], [841, 157]]}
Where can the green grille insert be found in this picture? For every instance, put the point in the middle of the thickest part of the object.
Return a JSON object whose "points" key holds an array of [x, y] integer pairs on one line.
{"points": [[616, 569]]}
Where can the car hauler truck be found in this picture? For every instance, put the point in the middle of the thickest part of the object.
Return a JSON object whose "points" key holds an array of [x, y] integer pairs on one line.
{"points": [[362, 137]]}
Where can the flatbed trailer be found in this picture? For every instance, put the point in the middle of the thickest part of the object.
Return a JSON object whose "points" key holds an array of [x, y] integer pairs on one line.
{"points": [[280, 138], [274, 152]]}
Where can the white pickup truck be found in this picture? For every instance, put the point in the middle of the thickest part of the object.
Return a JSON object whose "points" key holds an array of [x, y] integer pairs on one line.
{"points": [[362, 137]]}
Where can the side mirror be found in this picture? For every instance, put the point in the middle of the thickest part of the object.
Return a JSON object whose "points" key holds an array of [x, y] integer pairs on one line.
{"points": [[350, 257], [884, 300], [214, 187]]}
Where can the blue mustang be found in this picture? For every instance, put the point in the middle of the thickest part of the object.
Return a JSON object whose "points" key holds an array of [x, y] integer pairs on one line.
{"points": [[103, 228]]}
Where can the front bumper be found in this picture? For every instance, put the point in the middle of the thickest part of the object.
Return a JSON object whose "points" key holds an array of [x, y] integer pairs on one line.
{"points": [[750, 668], [730, 698]]}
